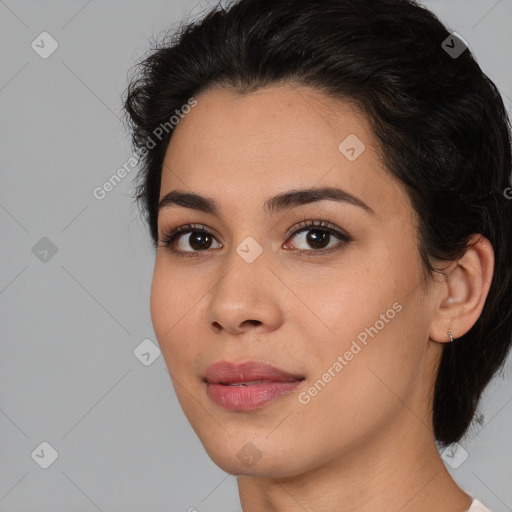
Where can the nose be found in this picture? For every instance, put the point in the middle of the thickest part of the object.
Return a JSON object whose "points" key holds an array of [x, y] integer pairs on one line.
{"points": [[246, 297]]}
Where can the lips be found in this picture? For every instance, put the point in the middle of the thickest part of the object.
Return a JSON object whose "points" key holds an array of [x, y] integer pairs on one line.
{"points": [[248, 373], [247, 386]]}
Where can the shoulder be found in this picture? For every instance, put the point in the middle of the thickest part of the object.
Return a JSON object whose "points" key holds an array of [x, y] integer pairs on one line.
{"points": [[476, 506]]}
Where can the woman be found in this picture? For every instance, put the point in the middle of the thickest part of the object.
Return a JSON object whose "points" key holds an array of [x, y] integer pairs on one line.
{"points": [[324, 185]]}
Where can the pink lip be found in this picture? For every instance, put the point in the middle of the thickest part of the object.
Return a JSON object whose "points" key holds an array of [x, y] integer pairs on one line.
{"points": [[276, 383]]}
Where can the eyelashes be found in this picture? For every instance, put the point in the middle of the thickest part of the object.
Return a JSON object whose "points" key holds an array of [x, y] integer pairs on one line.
{"points": [[169, 239], [321, 229]]}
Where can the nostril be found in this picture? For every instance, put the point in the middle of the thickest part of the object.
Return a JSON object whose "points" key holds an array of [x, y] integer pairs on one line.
{"points": [[216, 327], [252, 322]]}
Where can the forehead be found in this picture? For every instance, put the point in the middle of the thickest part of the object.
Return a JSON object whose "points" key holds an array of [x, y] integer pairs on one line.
{"points": [[286, 121], [277, 138]]}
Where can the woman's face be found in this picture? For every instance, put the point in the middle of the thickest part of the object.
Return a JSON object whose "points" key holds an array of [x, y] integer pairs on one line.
{"points": [[344, 313]]}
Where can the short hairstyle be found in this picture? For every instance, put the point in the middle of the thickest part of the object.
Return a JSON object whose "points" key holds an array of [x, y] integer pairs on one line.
{"points": [[440, 122]]}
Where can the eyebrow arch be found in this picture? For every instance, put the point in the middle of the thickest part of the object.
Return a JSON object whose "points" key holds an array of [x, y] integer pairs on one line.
{"points": [[279, 202]]}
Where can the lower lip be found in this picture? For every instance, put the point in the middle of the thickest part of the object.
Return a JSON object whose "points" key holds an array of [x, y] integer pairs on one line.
{"points": [[246, 398]]}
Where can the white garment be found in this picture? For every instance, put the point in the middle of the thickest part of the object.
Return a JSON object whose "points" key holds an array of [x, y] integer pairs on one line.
{"points": [[476, 506]]}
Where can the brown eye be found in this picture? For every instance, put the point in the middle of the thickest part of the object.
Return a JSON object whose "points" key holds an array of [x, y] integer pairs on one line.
{"points": [[199, 240], [316, 236], [189, 236]]}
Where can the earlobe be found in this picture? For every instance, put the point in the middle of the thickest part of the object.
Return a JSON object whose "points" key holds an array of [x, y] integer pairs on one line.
{"points": [[464, 292]]}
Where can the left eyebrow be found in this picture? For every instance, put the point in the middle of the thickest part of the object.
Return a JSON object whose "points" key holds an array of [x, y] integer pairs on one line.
{"points": [[279, 202], [294, 198]]}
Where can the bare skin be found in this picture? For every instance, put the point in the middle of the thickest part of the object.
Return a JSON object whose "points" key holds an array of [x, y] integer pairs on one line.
{"points": [[365, 441]]}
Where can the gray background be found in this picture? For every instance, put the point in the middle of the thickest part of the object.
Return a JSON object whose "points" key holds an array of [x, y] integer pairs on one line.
{"points": [[70, 324]]}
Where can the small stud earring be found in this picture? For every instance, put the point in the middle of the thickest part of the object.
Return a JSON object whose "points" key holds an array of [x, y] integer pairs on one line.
{"points": [[450, 335]]}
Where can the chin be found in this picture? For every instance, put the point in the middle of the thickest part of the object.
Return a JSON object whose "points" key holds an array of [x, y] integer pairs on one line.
{"points": [[257, 457]]}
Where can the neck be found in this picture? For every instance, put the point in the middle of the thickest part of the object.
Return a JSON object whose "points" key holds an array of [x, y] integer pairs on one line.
{"points": [[383, 473]]}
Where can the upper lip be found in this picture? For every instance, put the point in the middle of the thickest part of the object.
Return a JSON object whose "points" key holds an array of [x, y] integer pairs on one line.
{"points": [[224, 372]]}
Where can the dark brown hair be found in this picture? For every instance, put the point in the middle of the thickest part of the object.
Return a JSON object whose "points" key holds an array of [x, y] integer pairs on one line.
{"points": [[440, 121]]}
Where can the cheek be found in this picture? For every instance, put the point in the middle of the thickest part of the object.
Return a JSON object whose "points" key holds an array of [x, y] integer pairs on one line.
{"points": [[362, 385], [339, 305], [172, 302], [376, 353], [161, 302], [373, 318]]}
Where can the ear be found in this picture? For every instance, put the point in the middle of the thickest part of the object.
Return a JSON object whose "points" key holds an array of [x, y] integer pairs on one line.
{"points": [[464, 291]]}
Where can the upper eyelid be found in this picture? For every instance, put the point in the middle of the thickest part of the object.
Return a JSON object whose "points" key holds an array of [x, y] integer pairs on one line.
{"points": [[304, 225], [301, 225]]}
